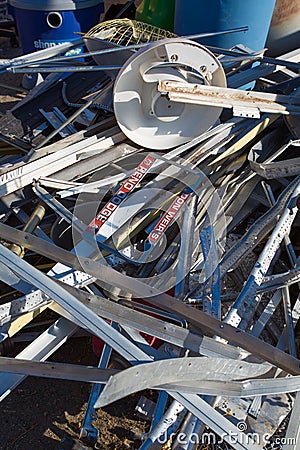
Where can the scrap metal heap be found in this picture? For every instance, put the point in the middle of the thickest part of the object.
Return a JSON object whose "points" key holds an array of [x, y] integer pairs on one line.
{"points": [[166, 198]]}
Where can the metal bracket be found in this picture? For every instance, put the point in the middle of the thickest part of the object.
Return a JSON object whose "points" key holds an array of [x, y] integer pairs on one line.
{"points": [[56, 118]]}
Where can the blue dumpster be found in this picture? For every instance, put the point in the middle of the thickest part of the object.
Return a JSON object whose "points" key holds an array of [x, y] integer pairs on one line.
{"points": [[196, 16], [45, 23]]}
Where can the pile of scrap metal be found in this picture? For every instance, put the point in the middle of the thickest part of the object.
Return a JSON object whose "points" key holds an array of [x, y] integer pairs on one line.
{"points": [[181, 258]]}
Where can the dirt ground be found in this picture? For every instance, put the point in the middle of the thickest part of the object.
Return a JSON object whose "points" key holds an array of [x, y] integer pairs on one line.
{"points": [[40, 412]]}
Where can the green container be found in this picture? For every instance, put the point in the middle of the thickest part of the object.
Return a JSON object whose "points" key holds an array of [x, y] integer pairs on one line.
{"points": [[157, 12]]}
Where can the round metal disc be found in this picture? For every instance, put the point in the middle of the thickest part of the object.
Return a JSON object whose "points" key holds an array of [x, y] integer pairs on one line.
{"points": [[149, 118]]}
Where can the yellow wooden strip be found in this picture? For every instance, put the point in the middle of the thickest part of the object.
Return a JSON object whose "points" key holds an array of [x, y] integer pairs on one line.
{"points": [[248, 137], [19, 323]]}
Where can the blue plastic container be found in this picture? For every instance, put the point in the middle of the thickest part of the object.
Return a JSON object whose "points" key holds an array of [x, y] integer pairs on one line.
{"points": [[46, 23], [196, 16]]}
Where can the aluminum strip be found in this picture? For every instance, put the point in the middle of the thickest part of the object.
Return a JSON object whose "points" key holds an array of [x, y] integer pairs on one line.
{"points": [[164, 301], [40, 349], [101, 329], [229, 98], [186, 370]]}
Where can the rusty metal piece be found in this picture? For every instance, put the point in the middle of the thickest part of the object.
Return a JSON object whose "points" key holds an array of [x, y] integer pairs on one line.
{"points": [[244, 103]]}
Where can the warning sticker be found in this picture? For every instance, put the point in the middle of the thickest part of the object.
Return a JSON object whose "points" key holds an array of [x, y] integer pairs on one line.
{"points": [[126, 188], [168, 217]]}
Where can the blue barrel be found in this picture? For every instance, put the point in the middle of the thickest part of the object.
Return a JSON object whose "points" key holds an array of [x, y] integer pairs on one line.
{"points": [[284, 33], [45, 23], [196, 16]]}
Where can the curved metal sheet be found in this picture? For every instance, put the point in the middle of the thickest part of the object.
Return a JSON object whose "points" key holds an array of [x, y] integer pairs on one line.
{"points": [[172, 371]]}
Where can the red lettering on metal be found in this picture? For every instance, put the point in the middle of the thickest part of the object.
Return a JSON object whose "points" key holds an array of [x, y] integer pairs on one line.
{"points": [[167, 218], [122, 193]]}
